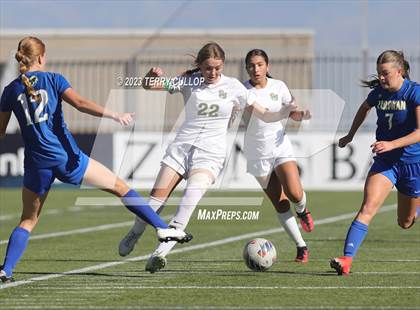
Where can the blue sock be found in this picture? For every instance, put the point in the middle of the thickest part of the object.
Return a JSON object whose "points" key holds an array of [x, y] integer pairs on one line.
{"points": [[355, 236], [138, 205], [17, 244]]}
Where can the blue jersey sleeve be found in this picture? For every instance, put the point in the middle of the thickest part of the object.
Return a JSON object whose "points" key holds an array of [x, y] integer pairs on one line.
{"points": [[416, 95], [61, 83], [372, 98], [5, 104]]}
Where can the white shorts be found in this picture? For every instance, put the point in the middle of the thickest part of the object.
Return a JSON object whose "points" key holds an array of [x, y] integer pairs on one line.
{"points": [[185, 157], [264, 166]]}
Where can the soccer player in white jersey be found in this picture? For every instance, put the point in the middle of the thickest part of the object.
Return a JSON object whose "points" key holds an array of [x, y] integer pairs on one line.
{"points": [[269, 153], [199, 148]]}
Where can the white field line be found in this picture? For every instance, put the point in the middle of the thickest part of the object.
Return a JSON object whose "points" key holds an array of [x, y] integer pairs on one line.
{"points": [[83, 230], [199, 307], [13, 216], [231, 273], [186, 249], [76, 231], [101, 202], [206, 201], [212, 287], [72, 209]]}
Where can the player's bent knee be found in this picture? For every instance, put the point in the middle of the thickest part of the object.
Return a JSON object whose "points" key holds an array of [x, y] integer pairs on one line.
{"points": [[282, 206], [406, 223], [199, 181]]}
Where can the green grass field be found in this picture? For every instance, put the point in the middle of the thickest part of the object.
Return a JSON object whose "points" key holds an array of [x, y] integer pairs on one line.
{"points": [[82, 270]]}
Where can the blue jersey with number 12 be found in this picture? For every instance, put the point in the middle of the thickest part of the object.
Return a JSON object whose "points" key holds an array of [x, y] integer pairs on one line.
{"points": [[396, 113], [47, 140]]}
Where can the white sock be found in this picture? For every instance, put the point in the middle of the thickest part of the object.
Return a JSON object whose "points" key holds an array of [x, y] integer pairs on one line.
{"points": [[140, 225], [291, 227], [301, 205], [196, 187]]}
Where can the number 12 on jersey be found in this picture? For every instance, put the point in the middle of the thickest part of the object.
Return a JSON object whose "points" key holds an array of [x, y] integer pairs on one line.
{"points": [[22, 98]]}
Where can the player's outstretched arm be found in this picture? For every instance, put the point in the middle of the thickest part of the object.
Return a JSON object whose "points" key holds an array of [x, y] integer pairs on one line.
{"points": [[412, 138], [300, 115], [4, 120], [270, 117], [92, 108], [358, 120]]}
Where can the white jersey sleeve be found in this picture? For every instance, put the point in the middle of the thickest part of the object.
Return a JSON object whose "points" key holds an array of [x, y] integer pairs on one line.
{"points": [[244, 96], [264, 140], [286, 95]]}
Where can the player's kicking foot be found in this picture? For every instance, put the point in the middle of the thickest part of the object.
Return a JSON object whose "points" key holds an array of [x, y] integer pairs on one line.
{"points": [[302, 255], [128, 243], [306, 220], [155, 263], [4, 278], [342, 265], [173, 234]]}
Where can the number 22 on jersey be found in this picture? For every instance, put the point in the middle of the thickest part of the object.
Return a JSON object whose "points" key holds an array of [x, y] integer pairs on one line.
{"points": [[22, 98], [208, 110]]}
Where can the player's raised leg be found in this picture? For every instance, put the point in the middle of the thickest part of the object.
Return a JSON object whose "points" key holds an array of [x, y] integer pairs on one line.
{"points": [[101, 177], [198, 182], [165, 183]]}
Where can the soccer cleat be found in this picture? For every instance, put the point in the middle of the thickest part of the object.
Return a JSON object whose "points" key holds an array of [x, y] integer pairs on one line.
{"points": [[173, 234], [302, 255], [4, 278], [155, 263], [306, 220], [342, 265], [128, 243]]}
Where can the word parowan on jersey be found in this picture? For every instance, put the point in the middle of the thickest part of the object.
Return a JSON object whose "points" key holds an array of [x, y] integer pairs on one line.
{"points": [[396, 105]]}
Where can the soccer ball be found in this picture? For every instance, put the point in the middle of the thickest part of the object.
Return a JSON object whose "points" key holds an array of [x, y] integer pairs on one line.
{"points": [[259, 254]]}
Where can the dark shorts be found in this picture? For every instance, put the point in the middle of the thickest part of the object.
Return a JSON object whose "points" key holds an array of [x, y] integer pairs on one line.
{"points": [[405, 177], [39, 180]]}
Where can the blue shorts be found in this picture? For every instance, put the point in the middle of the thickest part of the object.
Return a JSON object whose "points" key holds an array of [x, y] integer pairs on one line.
{"points": [[39, 180], [405, 177]]}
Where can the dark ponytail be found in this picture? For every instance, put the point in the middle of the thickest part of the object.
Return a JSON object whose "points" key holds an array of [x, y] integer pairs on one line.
{"points": [[389, 56]]}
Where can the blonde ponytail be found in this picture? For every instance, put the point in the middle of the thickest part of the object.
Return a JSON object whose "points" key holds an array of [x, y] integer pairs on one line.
{"points": [[30, 88], [29, 49]]}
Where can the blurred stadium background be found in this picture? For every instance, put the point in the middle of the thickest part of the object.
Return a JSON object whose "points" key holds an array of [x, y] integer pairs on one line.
{"points": [[93, 60]]}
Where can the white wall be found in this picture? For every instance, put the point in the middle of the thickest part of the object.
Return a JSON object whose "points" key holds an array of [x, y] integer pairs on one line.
{"points": [[323, 165]]}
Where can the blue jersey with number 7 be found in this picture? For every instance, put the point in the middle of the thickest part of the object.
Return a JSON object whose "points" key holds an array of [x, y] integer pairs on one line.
{"points": [[47, 140], [397, 118]]}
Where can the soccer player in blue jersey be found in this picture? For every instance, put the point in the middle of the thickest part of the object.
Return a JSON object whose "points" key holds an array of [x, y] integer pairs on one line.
{"points": [[397, 149], [35, 98]]}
